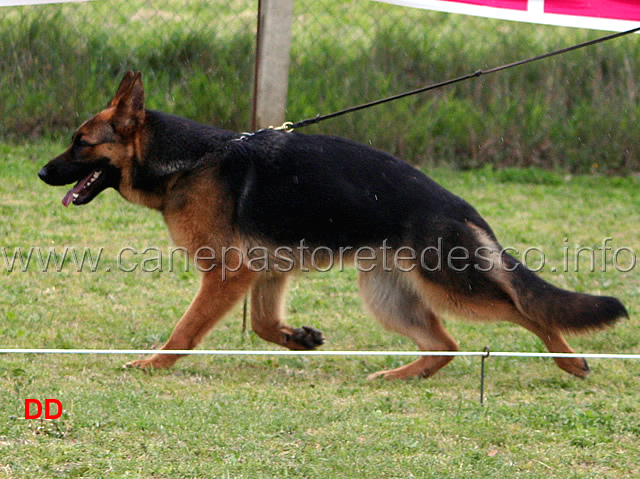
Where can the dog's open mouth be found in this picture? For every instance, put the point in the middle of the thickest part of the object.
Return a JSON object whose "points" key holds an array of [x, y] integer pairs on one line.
{"points": [[83, 190]]}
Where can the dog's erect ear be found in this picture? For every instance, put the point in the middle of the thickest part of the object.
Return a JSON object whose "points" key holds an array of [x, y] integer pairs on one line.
{"points": [[125, 84], [129, 100]]}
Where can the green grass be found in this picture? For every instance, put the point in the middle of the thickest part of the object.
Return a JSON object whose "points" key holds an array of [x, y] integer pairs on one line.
{"points": [[264, 417], [577, 112]]}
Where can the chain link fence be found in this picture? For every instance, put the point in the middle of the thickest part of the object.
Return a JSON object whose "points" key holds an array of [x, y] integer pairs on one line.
{"points": [[60, 63]]}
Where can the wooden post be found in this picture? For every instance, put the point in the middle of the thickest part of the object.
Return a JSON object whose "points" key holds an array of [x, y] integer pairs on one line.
{"points": [[272, 63]]}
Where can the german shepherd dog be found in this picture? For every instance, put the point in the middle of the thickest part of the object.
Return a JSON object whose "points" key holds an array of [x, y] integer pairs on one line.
{"points": [[217, 189]]}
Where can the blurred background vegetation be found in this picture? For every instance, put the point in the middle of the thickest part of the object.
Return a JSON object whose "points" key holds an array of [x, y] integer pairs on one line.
{"points": [[576, 113]]}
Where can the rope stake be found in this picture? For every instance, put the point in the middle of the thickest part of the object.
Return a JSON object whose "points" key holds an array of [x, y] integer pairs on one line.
{"points": [[487, 352]]}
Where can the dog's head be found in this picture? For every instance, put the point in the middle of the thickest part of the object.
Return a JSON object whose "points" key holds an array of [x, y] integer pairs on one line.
{"points": [[102, 146]]}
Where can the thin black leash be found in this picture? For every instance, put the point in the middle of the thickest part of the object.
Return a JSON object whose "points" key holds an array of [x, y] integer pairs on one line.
{"points": [[318, 118]]}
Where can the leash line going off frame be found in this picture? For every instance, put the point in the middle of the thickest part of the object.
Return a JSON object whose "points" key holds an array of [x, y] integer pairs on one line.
{"points": [[288, 126]]}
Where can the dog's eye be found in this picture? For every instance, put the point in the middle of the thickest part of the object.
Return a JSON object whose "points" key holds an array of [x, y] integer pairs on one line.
{"points": [[82, 142]]}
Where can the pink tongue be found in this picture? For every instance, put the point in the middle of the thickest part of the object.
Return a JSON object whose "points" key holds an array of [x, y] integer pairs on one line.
{"points": [[68, 198]]}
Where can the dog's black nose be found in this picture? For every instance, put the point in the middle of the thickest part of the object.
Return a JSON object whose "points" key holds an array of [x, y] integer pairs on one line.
{"points": [[43, 173]]}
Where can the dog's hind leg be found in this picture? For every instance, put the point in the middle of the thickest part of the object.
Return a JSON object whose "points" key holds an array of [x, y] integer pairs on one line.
{"points": [[214, 299], [390, 298], [555, 343], [267, 311]]}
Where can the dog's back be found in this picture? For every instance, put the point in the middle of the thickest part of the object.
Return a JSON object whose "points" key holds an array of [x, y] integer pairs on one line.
{"points": [[333, 192]]}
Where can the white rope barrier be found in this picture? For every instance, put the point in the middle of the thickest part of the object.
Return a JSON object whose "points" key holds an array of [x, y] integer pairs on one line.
{"points": [[235, 352]]}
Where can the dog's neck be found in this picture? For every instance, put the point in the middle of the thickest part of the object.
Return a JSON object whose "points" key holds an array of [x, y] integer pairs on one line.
{"points": [[177, 144], [170, 145]]}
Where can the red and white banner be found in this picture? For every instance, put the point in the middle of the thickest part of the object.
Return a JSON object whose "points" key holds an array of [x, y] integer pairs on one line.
{"points": [[615, 15]]}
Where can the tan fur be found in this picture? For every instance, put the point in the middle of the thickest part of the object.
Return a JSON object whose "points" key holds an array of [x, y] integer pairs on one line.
{"points": [[267, 309], [550, 335], [215, 298], [394, 301]]}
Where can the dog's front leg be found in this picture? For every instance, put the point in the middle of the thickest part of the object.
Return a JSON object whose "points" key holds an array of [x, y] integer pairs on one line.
{"points": [[267, 310], [215, 298]]}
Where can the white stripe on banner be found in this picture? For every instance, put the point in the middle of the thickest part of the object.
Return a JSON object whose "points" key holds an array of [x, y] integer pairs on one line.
{"points": [[21, 3], [613, 15]]}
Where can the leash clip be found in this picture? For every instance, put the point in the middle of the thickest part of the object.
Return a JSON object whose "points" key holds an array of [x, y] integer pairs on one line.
{"points": [[286, 127], [243, 136]]}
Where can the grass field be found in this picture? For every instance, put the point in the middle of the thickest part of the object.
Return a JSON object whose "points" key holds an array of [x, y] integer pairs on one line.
{"points": [[264, 417]]}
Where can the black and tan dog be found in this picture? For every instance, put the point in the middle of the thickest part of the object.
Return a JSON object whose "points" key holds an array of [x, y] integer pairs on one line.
{"points": [[277, 190]]}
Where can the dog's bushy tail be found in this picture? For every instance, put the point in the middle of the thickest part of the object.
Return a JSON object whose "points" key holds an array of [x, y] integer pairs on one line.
{"points": [[566, 310]]}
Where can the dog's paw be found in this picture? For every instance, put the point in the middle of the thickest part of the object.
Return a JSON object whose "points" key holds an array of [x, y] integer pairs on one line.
{"points": [[388, 375], [139, 364], [305, 337], [576, 366], [157, 361], [376, 375]]}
